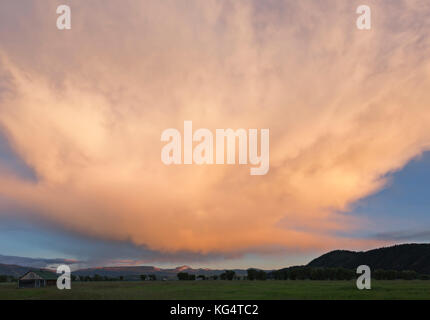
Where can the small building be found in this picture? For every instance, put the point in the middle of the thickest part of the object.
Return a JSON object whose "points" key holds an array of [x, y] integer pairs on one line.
{"points": [[37, 279]]}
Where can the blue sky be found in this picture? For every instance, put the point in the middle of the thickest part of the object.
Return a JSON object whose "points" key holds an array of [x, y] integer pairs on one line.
{"points": [[400, 212]]}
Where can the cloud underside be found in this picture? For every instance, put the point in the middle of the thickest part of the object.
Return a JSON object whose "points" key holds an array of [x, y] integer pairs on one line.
{"points": [[85, 108]]}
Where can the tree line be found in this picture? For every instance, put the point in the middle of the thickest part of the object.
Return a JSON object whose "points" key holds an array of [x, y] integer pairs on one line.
{"points": [[321, 273], [291, 273], [5, 278], [226, 275], [307, 273], [97, 277], [252, 274]]}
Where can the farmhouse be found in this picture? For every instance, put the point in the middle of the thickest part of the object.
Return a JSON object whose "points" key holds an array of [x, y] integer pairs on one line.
{"points": [[37, 279]]}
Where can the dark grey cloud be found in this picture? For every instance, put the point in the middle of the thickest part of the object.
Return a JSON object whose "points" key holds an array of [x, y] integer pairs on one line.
{"points": [[34, 262], [404, 235]]}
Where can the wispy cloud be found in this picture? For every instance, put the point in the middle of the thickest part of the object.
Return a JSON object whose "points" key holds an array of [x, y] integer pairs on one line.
{"points": [[35, 262], [404, 235]]}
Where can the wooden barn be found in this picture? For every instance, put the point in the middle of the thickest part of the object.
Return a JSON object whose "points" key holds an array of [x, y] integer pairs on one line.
{"points": [[37, 279]]}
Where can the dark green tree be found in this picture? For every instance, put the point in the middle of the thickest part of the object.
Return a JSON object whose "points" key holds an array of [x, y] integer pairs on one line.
{"points": [[183, 276], [228, 275]]}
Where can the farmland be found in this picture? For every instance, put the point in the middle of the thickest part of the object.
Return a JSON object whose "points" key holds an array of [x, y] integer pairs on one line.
{"points": [[198, 290]]}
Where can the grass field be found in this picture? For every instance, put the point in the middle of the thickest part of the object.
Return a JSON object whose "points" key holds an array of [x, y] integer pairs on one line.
{"points": [[195, 290]]}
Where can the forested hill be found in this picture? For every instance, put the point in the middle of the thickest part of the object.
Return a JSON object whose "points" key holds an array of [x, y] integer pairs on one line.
{"points": [[414, 257]]}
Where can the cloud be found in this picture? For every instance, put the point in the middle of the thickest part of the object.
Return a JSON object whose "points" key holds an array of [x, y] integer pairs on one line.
{"points": [[404, 235], [35, 262], [85, 108]]}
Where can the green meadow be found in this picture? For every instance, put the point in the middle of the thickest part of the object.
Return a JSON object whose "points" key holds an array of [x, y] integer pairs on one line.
{"points": [[198, 290]]}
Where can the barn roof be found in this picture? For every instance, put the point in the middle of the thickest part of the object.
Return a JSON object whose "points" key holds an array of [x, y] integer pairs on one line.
{"points": [[44, 274], [47, 275]]}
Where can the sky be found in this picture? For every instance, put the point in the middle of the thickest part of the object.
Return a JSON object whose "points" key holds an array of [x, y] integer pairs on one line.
{"points": [[82, 112]]}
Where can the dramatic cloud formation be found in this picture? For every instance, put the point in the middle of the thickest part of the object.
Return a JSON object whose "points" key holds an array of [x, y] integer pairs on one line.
{"points": [[85, 108]]}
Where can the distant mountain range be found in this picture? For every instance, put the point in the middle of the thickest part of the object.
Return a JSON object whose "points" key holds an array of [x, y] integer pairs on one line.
{"points": [[135, 272], [13, 270], [34, 262], [414, 257], [17, 266]]}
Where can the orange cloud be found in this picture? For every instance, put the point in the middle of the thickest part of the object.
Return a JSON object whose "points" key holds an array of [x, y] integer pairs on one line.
{"points": [[85, 110]]}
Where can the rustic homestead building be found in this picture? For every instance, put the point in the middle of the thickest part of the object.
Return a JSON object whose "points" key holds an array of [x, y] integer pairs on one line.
{"points": [[37, 279]]}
